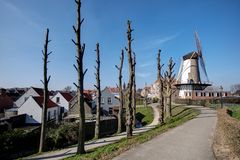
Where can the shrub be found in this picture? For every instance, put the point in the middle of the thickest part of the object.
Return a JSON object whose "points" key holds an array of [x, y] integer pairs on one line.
{"points": [[16, 141], [64, 135], [154, 100]]}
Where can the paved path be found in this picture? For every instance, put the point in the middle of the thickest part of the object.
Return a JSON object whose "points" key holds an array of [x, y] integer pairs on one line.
{"points": [[156, 115], [190, 141], [63, 153]]}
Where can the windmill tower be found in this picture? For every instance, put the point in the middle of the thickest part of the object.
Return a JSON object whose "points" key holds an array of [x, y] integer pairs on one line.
{"points": [[189, 78]]}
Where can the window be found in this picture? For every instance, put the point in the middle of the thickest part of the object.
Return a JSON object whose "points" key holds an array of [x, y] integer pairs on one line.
{"points": [[102, 100], [196, 94], [58, 99], [110, 111], [204, 94], [190, 94], [49, 115], [25, 99], [109, 100], [55, 113], [201, 94], [186, 94]]}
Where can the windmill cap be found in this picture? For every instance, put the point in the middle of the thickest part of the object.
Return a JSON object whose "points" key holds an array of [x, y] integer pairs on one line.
{"points": [[191, 55]]}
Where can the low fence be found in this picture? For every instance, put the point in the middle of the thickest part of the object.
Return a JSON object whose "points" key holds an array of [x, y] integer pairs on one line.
{"points": [[209, 102]]}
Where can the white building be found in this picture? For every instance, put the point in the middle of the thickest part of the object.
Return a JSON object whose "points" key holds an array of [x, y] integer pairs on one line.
{"points": [[32, 107], [62, 99], [110, 99], [30, 92]]}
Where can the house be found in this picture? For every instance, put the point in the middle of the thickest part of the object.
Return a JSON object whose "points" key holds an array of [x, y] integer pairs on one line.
{"points": [[32, 91], [73, 112], [15, 93], [32, 107], [62, 99], [109, 100], [5, 102], [210, 92]]}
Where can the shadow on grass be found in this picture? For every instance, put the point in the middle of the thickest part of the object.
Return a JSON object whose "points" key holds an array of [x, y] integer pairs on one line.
{"points": [[184, 110]]}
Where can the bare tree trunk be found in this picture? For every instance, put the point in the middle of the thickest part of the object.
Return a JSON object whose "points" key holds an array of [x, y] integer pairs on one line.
{"points": [[98, 87], [134, 91], [79, 68], [145, 95], [161, 98], [130, 82], [45, 82], [168, 115], [169, 80], [121, 96]]}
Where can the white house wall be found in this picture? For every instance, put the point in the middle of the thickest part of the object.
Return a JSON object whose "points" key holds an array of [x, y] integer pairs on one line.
{"points": [[62, 101], [32, 109]]}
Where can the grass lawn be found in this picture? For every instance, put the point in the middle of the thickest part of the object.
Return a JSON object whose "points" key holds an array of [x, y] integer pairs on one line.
{"points": [[145, 115], [180, 115], [236, 111]]}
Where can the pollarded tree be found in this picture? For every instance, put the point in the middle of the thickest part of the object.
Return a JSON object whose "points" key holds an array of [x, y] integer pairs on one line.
{"points": [[160, 87], [79, 68], [168, 87], [145, 95], [134, 90], [98, 87], [45, 82], [121, 96], [129, 115]]}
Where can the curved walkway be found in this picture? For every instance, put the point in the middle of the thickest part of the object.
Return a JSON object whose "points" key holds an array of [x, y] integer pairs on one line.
{"points": [[155, 113], [192, 140], [67, 152]]}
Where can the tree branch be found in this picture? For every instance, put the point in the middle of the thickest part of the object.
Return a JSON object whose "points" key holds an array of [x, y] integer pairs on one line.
{"points": [[85, 72]]}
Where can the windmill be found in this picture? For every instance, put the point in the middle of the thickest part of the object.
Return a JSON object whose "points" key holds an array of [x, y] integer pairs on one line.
{"points": [[189, 78]]}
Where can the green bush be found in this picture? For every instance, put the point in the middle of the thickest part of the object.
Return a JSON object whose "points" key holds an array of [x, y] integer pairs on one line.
{"points": [[62, 136], [155, 100], [16, 141]]}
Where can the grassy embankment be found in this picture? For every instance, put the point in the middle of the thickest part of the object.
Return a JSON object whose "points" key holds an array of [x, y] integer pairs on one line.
{"points": [[235, 111], [227, 136], [180, 115], [144, 114]]}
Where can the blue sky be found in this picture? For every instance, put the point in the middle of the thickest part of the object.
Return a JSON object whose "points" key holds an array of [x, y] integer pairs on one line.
{"points": [[168, 25]]}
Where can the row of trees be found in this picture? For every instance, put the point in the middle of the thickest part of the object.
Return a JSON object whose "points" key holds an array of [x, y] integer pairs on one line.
{"points": [[165, 88], [127, 96], [130, 94]]}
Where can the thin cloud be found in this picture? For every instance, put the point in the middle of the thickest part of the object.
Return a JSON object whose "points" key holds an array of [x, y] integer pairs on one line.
{"points": [[18, 12], [145, 65], [159, 41], [143, 75]]}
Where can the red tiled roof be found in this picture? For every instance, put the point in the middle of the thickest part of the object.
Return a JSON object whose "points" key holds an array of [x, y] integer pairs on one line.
{"points": [[39, 101], [66, 95], [112, 90]]}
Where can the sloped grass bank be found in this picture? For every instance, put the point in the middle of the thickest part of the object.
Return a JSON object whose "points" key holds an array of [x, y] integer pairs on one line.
{"points": [[235, 111], [180, 115], [227, 137], [145, 115]]}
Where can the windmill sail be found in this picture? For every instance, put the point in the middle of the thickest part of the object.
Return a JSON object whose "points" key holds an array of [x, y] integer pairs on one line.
{"points": [[199, 47]]}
